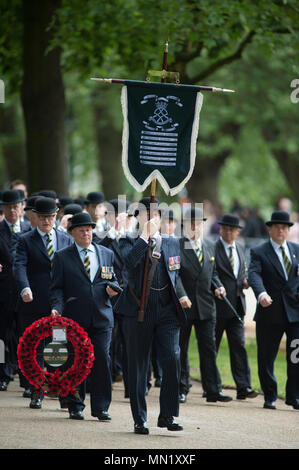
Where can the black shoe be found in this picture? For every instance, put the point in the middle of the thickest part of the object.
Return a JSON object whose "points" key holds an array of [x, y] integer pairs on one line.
{"points": [[35, 403], [77, 414], [102, 416], [212, 398], [294, 403], [169, 423], [204, 394], [27, 393], [126, 395], [183, 398], [4, 385], [141, 429], [270, 405], [246, 393]]}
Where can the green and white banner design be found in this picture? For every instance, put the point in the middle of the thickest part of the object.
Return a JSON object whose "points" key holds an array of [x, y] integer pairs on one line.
{"points": [[159, 134]]}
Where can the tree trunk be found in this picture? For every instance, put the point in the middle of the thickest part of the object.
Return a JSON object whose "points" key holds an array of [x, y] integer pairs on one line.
{"points": [[110, 150], [43, 100], [203, 184], [12, 143]]}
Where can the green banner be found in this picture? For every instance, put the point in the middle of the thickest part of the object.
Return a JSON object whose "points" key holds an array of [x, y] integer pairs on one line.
{"points": [[159, 134]]}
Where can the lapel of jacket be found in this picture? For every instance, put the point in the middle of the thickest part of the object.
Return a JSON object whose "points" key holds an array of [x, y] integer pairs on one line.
{"points": [[294, 259], [5, 232], [37, 240], [190, 253], [100, 259], [241, 271], [224, 261], [273, 258], [78, 261]]}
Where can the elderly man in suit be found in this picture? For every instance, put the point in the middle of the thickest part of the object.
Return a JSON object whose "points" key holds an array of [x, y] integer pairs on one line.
{"points": [[32, 270], [274, 277], [232, 272], [10, 226], [201, 283], [163, 315], [80, 291]]}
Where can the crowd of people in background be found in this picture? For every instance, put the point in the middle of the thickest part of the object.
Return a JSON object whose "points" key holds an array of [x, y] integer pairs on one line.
{"points": [[107, 221]]}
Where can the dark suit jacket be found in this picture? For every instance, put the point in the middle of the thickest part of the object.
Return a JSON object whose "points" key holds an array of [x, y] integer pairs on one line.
{"points": [[266, 274], [133, 252], [74, 295], [32, 268], [199, 281], [7, 242], [233, 286]]}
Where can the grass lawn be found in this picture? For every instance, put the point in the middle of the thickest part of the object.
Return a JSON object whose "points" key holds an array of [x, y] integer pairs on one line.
{"points": [[223, 363]]}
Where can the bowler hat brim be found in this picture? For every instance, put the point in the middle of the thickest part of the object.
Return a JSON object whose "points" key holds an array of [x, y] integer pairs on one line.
{"points": [[283, 222], [82, 224]]}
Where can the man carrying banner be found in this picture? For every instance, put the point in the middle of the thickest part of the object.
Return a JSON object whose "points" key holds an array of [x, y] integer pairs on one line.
{"points": [[163, 315]]}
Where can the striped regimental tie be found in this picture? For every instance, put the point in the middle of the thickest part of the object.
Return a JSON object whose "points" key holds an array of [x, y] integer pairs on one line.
{"points": [[86, 261], [199, 253], [50, 248], [231, 257], [286, 261]]}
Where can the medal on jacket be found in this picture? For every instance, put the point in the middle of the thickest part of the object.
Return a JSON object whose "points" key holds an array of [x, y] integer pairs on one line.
{"points": [[107, 272], [174, 263]]}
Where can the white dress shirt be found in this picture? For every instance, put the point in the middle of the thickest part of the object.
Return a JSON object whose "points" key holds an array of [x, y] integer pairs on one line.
{"points": [[94, 262], [235, 255], [277, 249]]}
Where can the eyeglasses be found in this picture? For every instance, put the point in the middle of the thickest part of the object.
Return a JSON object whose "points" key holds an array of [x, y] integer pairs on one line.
{"points": [[45, 217]]}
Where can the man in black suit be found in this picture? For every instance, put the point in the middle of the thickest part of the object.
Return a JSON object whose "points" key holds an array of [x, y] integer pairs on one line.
{"points": [[32, 270], [162, 316], [9, 228], [201, 283], [232, 272], [79, 291], [274, 277]]}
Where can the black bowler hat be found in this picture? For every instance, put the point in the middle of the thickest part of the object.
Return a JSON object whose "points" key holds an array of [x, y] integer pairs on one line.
{"points": [[30, 203], [72, 209], [194, 213], [230, 219], [168, 214], [12, 196], [119, 205], [95, 197], [45, 205], [280, 217], [64, 200], [48, 193], [145, 204], [81, 219]]}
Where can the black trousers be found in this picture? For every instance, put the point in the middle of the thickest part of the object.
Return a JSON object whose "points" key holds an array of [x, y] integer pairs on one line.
{"points": [[100, 375], [238, 355], [160, 323], [268, 340], [205, 335]]}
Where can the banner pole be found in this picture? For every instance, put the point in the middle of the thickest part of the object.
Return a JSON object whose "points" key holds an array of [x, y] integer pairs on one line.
{"points": [[152, 199]]}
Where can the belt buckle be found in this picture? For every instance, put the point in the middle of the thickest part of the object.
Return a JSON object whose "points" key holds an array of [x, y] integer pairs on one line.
{"points": [[156, 255]]}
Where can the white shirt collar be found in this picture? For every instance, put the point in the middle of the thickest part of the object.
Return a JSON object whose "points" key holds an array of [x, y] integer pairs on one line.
{"points": [[276, 246], [43, 234], [227, 245], [89, 248]]}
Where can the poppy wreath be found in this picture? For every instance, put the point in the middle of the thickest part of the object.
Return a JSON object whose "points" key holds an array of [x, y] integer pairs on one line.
{"points": [[56, 383]]}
